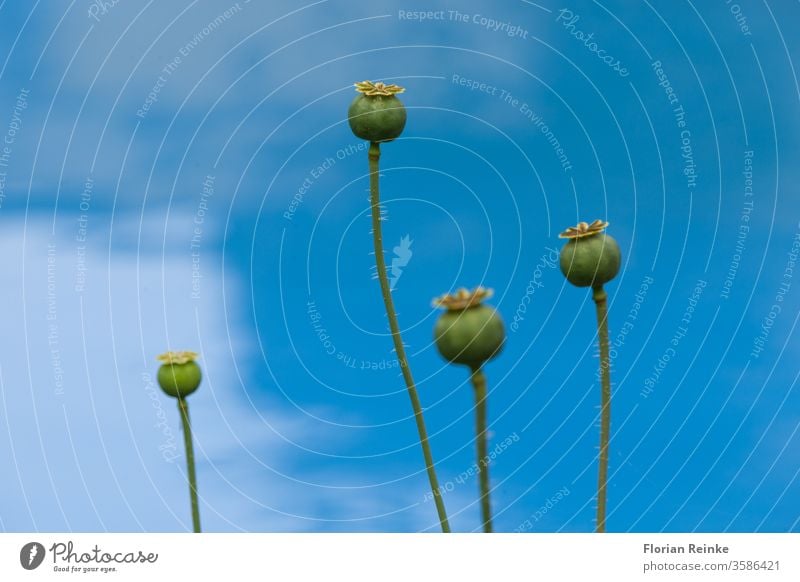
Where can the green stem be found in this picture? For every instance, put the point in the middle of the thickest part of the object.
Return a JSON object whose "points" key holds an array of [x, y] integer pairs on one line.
{"points": [[600, 298], [183, 408], [479, 383], [377, 235]]}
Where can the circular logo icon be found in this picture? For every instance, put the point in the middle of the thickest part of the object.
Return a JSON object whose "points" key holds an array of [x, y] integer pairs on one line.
{"points": [[31, 555]]}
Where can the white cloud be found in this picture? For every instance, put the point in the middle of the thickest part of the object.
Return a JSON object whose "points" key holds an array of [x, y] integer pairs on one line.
{"points": [[91, 442]]}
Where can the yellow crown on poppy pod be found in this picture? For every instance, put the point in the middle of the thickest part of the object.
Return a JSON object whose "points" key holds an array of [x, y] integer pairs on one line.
{"points": [[584, 229]]}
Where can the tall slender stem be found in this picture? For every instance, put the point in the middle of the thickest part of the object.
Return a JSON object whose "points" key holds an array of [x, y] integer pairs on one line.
{"points": [[479, 383], [599, 296], [377, 236], [183, 407]]}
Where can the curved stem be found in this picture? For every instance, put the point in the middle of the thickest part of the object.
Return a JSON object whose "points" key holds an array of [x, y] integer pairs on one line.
{"points": [[599, 296], [377, 236], [479, 383], [183, 407]]}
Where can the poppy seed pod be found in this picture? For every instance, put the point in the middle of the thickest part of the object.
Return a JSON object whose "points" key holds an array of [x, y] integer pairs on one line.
{"points": [[468, 332], [590, 258], [376, 114], [179, 375]]}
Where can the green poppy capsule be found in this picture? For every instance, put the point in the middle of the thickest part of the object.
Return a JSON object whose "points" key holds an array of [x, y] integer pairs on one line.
{"points": [[179, 375], [468, 332], [376, 114], [590, 258]]}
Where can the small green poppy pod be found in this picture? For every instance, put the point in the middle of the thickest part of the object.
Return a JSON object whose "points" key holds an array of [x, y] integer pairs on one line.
{"points": [[376, 114], [591, 257], [468, 332], [179, 375]]}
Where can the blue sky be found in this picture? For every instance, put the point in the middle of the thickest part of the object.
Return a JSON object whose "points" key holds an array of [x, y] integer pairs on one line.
{"points": [[152, 199]]}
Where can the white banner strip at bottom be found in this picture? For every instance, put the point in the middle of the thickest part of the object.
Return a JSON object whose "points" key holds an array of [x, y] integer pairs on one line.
{"points": [[400, 557]]}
